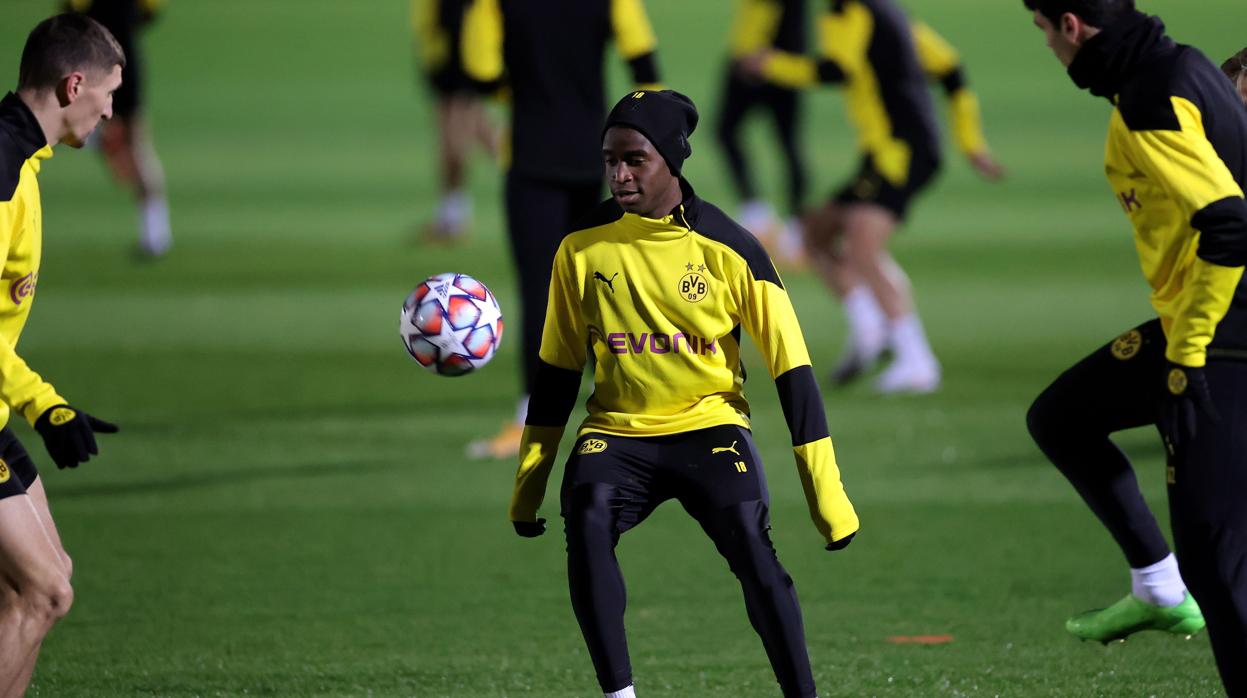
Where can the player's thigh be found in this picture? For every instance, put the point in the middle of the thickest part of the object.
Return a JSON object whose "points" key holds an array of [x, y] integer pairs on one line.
{"points": [[28, 557], [716, 468], [1117, 386], [39, 498], [610, 476], [867, 229]]}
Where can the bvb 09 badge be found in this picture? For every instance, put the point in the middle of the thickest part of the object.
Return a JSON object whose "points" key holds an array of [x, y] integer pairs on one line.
{"points": [[694, 285], [1127, 345]]}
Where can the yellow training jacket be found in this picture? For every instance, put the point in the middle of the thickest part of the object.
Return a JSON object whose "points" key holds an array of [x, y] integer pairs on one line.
{"points": [[661, 303], [22, 149], [1176, 158], [884, 61]]}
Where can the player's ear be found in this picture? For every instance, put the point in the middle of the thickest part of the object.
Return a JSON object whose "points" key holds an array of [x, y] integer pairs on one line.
{"points": [[69, 88], [1071, 27]]}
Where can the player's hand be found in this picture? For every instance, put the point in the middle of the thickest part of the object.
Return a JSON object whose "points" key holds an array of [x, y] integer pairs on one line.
{"points": [[750, 66], [842, 543], [530, 529], [69, 434], [1186, 398], [986, 165]]}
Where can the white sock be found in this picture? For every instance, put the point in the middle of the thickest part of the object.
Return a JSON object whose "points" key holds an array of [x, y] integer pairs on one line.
{"points": [[867, 323], [155, 235], [455, 209], [1159, 583], [909, 340], [625, 692], [521, 410]]}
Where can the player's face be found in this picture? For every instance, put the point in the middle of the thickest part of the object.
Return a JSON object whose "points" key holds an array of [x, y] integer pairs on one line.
{"points": [[1059, 39], [91, 99], [1242, 86], [638, 177]]}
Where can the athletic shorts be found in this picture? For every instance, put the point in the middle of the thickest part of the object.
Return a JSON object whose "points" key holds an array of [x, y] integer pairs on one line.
{"points": [[17, 470], [705, 470], [122, 19], [869, 186], [449, 78]]}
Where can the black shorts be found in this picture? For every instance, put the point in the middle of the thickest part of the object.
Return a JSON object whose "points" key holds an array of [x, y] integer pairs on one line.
{"points": [[706, 470], [869, 186], [17, 470], [449, 78], [122, 18]]}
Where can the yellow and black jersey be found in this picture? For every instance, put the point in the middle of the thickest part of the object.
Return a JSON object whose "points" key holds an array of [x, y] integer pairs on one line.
{"points": [[884, 62], [661, 303], [550, 54], [1176, 158], [763, 24], [438, 28], [22, 149]]}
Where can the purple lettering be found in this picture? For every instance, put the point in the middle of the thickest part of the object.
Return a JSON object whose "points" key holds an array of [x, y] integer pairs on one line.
{"points": [[675, 342], [709, 345], [659, 343], [617, 343], [637, 346]]}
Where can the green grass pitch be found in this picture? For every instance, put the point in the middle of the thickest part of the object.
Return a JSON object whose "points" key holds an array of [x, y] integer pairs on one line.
{"points": [[287, 511]]}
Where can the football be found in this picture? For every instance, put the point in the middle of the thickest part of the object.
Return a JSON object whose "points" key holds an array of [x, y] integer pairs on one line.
{"points": [[451, 324]]}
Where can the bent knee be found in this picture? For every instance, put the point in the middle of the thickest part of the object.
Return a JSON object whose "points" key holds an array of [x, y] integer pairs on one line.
{"points": [[48, 601], [589, 512]]}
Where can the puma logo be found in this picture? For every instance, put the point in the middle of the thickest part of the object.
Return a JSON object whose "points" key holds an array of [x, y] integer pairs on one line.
{"points": [[724, 449], [609, 282]]}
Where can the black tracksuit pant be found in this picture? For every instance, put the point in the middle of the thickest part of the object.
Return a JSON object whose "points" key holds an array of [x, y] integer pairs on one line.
{"points": [[1119, 386], [613, 483], [741, 97]]}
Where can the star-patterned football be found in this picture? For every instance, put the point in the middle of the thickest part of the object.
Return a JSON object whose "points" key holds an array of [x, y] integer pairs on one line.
{"points": [[451, 324]]}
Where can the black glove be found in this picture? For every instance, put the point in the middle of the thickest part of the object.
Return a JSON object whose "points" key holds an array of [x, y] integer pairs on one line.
{"points": [[530, 529], [69, 434], [1186, 396], [842, 543]]}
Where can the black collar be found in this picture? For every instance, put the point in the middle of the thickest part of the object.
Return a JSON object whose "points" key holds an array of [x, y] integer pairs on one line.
{"points": [[689, 209], [20, 122], [1109, 59]]}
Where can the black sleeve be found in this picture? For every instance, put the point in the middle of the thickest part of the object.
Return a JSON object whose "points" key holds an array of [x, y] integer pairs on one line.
{"points": [[554, 396], [1222, 227], [802, 404]]}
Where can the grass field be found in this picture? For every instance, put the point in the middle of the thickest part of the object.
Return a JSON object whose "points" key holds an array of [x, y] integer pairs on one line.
{"points": [[287, 511]]}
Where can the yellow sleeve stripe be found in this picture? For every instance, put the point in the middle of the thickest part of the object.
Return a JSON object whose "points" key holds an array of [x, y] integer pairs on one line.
{"points": [[538, 449], [830, 509], [790, 70], [633, 34], [482, 41], [936, 55], [754, 27]]}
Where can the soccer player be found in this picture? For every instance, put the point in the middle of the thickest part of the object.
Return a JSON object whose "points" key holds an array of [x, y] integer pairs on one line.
{"points": [[658, 284], [1176, 157], [461, 117], [125, 138], [69, 70], [557, 106], [1235, 68], [779, 25], [883, 60]]}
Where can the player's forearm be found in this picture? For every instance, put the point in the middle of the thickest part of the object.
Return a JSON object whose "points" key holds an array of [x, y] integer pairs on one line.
{"points": [[802, 403], [23, 389], [1204, 302], [549, 408], [538, 449], [967, 121], [797, 71], [644, 70]]}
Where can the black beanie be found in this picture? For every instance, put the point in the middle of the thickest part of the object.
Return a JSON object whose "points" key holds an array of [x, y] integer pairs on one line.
{"points": [[666, 117]]}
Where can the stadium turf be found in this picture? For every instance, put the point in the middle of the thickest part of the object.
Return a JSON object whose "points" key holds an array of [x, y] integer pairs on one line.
{"points": [[286, 511]]}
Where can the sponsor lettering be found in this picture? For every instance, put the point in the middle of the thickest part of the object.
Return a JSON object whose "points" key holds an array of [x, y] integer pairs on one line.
{"points": [[23, 288], [660, 343]]}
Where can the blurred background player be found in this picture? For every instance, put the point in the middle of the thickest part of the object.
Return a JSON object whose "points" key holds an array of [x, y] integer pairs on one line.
{"points": [[70, 68], [778, 25], [1236, 70], [884, 61], [1176, 159], [462, 120], [655, 267], [557, 108], [125, 138]]}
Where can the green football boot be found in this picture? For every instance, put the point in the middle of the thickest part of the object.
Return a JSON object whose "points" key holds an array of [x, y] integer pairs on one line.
{"points": [[1131, 614]]}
